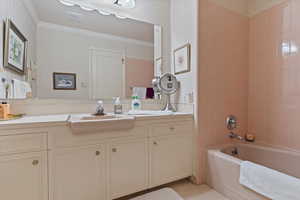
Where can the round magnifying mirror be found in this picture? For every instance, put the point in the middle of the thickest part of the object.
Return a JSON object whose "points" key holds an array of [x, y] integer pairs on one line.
{"points": [[168, 85]]}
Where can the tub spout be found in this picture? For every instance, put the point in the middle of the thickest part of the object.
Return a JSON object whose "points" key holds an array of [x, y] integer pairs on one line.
{"points": [[235, 136]]}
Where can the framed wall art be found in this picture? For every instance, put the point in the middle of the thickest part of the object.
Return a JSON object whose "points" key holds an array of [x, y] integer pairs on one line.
{"points": [[182, 59], [15, 48], [64, 81]]}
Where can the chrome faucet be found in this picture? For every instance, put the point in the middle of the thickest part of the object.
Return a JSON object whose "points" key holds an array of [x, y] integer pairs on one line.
{"points": [[232, 135], [100, 108]]}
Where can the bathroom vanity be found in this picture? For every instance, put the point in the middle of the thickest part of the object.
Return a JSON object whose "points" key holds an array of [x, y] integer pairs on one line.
{"points": [[41, 157]]}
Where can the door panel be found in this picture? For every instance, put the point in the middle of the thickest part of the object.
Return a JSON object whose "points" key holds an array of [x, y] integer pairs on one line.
{"points": [[128, 167], [171, 159], [23, 177], [79, 174]]}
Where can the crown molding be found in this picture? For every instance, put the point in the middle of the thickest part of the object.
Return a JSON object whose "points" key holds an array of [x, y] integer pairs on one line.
{"points": [[257, 6], [31, 9]]}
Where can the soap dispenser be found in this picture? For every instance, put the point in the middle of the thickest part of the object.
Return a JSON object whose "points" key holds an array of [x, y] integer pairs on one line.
{"points": [[118, 108]]}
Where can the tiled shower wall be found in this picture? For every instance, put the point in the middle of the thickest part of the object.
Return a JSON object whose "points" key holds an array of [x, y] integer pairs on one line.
{"points": [[223, 73], [250, 67], [274, 75]]}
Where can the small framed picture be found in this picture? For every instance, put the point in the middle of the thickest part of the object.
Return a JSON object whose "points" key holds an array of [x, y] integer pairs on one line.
{"points": [[64, 81], [182, 59], [15, 48]]}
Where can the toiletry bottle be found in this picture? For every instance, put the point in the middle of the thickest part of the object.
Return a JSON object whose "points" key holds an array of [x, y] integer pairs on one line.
{"points": [[118, 106], [4, 110], [136, 103]]}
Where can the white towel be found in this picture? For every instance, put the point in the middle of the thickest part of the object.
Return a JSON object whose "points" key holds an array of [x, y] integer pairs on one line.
{"points": [[20, 89], [164, 194], [269, 183], [140, 92], [2, 90]]}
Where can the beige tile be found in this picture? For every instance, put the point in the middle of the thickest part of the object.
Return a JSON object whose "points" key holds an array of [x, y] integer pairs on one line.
{"points": [[188, 191], [197, 192]]}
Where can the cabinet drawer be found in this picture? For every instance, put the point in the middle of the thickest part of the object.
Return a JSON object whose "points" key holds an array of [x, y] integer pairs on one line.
{"points": [[23, 143], [172, 129]]}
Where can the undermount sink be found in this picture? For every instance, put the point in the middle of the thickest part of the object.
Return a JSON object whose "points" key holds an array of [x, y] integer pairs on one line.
{"points": [[87, 123], [100, 117]]}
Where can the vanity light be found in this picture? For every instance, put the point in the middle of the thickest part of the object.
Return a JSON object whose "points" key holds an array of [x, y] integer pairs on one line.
{"points": [[87, 8], [120, 16], [67, 3], [125, 3], [102, 12]]}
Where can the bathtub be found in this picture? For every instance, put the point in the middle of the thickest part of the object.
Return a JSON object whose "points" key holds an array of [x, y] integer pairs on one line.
{"points": [[223, 167]]}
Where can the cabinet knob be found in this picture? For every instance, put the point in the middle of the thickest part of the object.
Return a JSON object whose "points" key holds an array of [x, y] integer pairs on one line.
{"points": [[155, 143], [114, 150], [35, 162], [98, 153], [172, 128]]}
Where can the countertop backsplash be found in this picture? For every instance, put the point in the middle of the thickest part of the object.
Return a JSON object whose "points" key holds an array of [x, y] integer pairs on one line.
{"points": [[59, 106]]}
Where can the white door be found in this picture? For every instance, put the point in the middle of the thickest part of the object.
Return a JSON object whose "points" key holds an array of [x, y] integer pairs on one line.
{"points": [[170, 158], [128, 167], [107, 68], [78, 174], [23, 177]]}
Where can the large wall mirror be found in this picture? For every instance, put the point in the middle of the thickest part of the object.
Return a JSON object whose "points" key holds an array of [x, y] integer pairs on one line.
{"points": [[86, 50]]}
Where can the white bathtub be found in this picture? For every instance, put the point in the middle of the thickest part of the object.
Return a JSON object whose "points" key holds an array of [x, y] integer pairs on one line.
{"points": [[223, 167]]}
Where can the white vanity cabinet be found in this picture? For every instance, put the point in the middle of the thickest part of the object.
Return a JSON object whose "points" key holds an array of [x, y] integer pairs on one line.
{"points": [[128, 167], [78, 173], [50, 162], [171, 159], [23, 167]]}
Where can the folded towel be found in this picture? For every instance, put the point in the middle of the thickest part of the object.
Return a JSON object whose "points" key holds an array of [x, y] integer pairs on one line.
{"points": [[163, 194], [270, 183], [2, 90], [20, 89], [140, 92]]}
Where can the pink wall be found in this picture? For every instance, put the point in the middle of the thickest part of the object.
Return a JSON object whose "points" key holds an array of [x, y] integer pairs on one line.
{"points": [[274, 78], [139, 73], [223, 72]]}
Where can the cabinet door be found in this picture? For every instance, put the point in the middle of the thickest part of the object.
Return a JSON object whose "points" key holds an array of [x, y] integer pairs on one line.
{"points": [[170, 158], [78, 174], [23, 177], [128, 167]]}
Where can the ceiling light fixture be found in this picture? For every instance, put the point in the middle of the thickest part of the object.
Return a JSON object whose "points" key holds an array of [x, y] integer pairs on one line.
{"points": [[125, 3], [102, 12], [87, 8], [67, 3], [120, 16]]}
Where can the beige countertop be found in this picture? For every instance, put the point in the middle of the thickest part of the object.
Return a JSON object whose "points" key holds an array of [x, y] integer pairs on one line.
{"points": [[62, 119]]}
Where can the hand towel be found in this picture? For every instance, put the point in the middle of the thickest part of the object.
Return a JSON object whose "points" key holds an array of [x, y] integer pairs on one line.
{"points": [[269, 183], [20, 89], [140, 92]]}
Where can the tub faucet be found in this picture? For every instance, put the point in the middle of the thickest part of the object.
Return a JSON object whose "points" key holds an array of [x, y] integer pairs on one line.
{"points": [[232, 135]]}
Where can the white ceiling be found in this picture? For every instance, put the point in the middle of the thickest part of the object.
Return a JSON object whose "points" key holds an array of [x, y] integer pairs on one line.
{"points": [[51, 11]]}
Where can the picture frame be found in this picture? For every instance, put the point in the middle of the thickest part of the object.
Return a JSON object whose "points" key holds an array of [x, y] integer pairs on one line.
{"points": [[182, 59], [64, 81], [15, 48]]}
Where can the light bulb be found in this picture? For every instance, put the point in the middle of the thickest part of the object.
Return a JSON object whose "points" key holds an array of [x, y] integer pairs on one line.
{"points": [[102, 12], [86, 8], [67, 3], [120, 16], [126, 3]]}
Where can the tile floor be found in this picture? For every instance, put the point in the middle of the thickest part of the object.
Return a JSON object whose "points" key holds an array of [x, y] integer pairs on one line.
{"points": [[189, 191]]}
